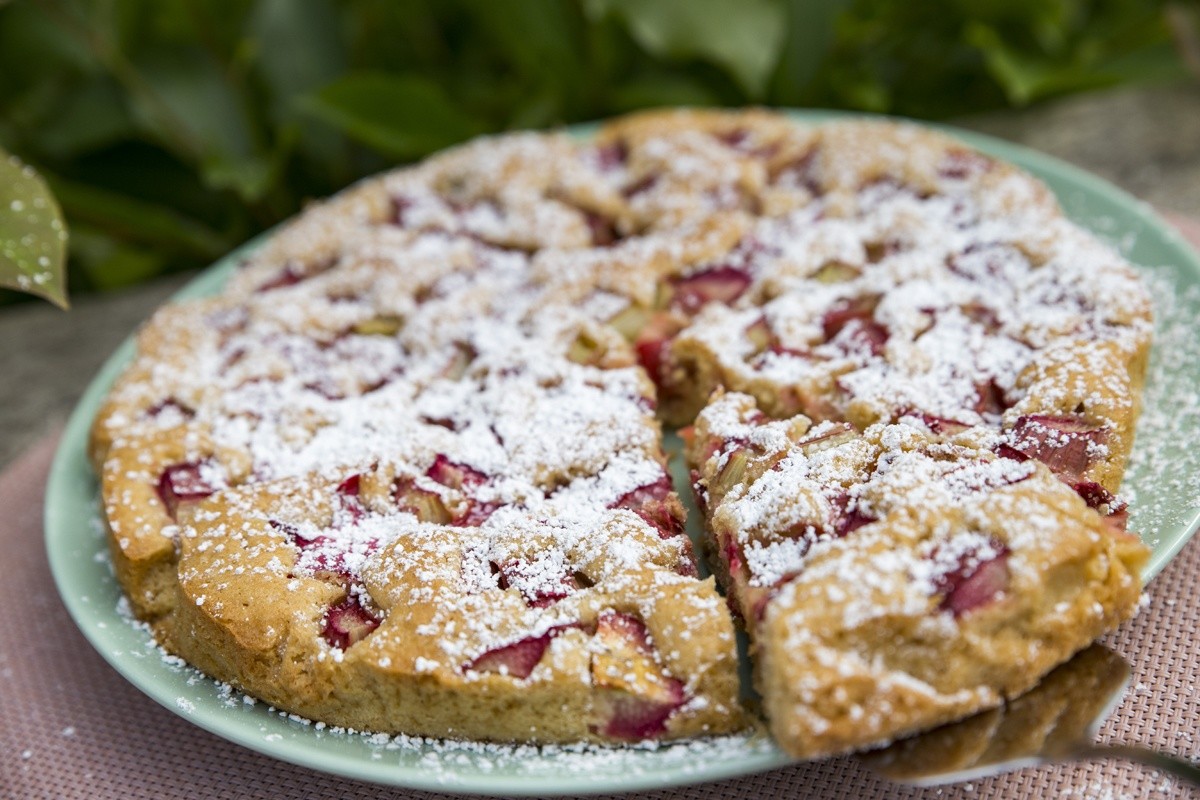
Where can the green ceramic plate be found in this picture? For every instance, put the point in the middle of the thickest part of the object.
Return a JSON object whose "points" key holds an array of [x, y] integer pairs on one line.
{"points": [[1163, 484]]}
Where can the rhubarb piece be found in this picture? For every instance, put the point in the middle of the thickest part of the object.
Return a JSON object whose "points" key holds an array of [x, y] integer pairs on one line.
{"points": [[973, 582], [653, 346], [832, 435], [348, 502], [1101, 499], [603, 229], [347, 623], [462, 478], [610, 157], [733, 470], [454, 475], [651, 503], [586, 350], [517, 659], [640, 186], [1068, 444], [290, 275], [424, 504], [183, 483], [635, 718], [963, 164], [643, 696], [630, 322], [400, 206], [853, 323], [715, 285], [169, 407], [760, 335], [990, 399], [537, 589], [456, 368], [383, 325], [942, 426], [836, 272], [846, 520]]}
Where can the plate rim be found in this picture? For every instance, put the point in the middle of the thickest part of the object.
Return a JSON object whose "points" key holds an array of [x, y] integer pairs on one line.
{"points": [[64, 476]]}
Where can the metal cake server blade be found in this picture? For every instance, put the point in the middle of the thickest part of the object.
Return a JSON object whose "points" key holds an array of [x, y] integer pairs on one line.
{"points": [[1054, 722]]}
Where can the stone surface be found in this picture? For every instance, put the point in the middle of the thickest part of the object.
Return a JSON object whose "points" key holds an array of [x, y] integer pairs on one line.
{"points": [[1144, 139], [48, 356]]}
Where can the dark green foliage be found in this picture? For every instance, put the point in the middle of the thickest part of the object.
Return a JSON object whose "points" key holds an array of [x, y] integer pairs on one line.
{"points": [[172, 130]]}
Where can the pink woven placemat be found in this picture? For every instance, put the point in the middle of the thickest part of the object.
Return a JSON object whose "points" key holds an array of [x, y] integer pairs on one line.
{"points": [[72, 729]]}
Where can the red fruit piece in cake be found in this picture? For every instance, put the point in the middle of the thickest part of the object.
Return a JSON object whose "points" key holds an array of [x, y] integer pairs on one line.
{"points": [[400, 206], [610, 157], [424, 504], [974, 579], [640, 186], [941, 426], [1100, 498], [462, 478], [653, 346], [169, 410], [847, 519], [962, 164], [539, 587], [516, 659], [990, 399], [453, 474], [651, 503], [348, 622], [1067, 444], [348, 503], [723, 284], [602, 228], [294, 535], [184, 483], [290, 275], [642, 695], [841, 314]]}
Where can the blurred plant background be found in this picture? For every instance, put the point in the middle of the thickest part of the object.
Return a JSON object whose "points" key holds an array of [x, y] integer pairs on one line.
{"points": [[169, 131]]}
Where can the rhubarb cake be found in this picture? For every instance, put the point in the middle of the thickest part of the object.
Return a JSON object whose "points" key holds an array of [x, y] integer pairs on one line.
{"points": [[406, 473]]}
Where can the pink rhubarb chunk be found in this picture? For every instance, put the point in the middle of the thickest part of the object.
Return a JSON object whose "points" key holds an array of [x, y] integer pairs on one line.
{"points": [[636, 718], [183, 483], [454, 475], [538, 590], [517, 659], [716, 285], [641, 712], [650, 503], [973, 583], [348, 501], [347, 622], [1067, 444]]}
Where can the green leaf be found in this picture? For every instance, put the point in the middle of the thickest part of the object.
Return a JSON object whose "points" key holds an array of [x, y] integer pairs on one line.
{"points": [[106, 263], [138, 220], [1026, 77], [33, 238], [665, 89], [399, 115], [280, 29], [744, 37], [185, 100], [809, 38], [86, 117]]}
